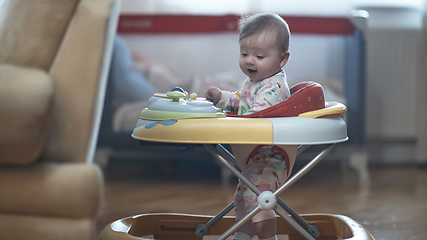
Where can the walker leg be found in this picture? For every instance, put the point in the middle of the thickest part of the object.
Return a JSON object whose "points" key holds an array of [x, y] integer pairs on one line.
{"points": [[239, 223], [225, 153], [216, 153], [225, 173], [304, 170], [306, 234], [203, 229], [312, 229], [301, 149]]}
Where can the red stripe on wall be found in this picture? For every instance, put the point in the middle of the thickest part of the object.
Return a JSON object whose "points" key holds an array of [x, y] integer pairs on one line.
{"points": [[137, 24], [320, 25], [176, 24]]}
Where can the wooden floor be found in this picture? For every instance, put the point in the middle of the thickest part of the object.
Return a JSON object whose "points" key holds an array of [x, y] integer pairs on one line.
{"points": [[393, 207]]}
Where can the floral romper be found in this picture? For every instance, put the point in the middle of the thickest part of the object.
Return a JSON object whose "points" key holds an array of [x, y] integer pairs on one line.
{"points": [[267, 168], [256, 96]]}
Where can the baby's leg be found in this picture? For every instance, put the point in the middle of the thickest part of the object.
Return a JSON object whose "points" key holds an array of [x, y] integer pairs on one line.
{"points": [[246, 231], [264, 222], [266, 229], [265, 169]]}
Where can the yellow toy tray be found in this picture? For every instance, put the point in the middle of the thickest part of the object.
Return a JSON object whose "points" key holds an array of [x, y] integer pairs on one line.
{"points": [[318, 127]]}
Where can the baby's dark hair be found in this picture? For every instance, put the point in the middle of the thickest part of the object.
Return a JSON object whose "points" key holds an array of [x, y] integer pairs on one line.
{"points": [[266, 22]]}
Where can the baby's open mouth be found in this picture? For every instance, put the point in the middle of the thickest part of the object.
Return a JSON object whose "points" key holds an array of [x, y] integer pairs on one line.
{"points": [[252, 71]]}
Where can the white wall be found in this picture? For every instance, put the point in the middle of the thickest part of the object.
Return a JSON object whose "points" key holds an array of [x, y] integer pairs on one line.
{"points": [[311, 7], [290, 7], [312, 57]]}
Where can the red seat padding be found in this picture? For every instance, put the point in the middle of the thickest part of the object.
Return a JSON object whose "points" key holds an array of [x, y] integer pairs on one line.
{"points": [[305, 97]]}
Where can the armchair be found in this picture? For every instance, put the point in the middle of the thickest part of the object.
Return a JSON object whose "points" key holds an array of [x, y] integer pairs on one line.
{"points": [[54, 61]]}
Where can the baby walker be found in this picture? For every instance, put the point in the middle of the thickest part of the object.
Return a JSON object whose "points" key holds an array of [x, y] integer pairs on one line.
{"points": [[302, 120]]}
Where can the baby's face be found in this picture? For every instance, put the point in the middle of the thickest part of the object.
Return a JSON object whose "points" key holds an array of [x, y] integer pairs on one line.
{"points": [[260, 56]]}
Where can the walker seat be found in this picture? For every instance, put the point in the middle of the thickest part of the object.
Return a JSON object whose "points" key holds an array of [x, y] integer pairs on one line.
{"points": [[302, 120], [305, 97]]}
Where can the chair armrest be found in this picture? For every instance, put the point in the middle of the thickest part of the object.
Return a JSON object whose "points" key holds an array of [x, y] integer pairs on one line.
{"points": [[25, 100], [52, 189]]}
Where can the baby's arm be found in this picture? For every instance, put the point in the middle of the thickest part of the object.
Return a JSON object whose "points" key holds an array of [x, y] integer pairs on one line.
{"points": [[223, 99], [213, 94]]}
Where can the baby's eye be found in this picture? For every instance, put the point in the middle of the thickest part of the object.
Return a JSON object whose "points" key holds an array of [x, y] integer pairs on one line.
{"points": [[260, 57], [244, 54]]}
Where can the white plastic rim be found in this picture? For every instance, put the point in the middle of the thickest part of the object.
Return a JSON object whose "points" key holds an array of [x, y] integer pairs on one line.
{"points": [[309, 131]]}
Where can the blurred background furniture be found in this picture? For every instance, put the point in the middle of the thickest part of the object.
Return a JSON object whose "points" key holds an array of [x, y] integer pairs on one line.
{"points": [[54, 61]]}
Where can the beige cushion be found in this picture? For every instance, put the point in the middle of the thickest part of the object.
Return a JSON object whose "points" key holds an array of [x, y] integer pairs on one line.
{"points": [[67, 190], [32, 31], [25, 102], [76, 75], [15, 226]]}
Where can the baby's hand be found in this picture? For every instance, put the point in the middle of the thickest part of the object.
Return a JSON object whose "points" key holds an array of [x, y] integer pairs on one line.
{"points": [[213, 94]]}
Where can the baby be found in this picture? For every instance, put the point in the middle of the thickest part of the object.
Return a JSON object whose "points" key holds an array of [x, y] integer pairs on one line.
{"points": [[264, 42]]}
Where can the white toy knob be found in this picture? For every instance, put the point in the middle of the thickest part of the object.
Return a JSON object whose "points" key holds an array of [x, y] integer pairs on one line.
{"points": [[266, 200]]}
